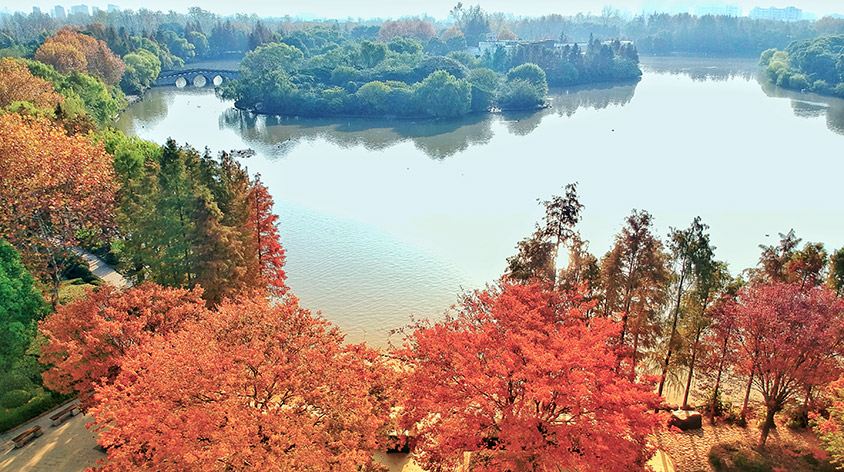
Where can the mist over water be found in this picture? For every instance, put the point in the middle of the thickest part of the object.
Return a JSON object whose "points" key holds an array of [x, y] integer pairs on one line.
{"points": [[385, 219]]}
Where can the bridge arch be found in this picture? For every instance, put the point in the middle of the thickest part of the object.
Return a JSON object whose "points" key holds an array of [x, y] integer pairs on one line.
{"points": [[199, 81]]}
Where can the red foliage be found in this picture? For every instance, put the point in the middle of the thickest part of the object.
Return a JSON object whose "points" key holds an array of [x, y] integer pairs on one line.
{"points": [[251, 386], [789, 339], [523, 379], [87, 339], [270, 252]]}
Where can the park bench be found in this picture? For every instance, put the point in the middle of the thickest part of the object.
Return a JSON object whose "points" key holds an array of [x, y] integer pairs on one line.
{"points": [[21, 439], [60, 416]]}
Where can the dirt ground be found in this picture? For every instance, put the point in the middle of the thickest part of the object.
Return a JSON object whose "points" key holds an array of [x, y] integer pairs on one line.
{"points": [[689, 450]]}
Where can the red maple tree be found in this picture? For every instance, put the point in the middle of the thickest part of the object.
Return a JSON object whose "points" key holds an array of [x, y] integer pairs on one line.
{"points": [[87, 339], [788, 340], [251, 386], [523, 379]]}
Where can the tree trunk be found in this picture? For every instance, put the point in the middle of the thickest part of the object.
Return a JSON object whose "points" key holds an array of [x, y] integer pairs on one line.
{"points": [[747, 396], [768, 425], [673, 332], [717, 383], [635, 354], [691, 371]]}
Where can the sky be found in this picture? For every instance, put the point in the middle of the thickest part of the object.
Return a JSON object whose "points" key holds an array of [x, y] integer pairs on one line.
{"points": [[434, 8]]}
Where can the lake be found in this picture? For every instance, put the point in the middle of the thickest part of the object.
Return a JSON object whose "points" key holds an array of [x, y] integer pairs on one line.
{"points": [[385, 220]]}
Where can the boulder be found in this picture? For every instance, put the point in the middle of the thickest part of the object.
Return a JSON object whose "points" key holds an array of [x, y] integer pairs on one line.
{"points": [[686, 420]]}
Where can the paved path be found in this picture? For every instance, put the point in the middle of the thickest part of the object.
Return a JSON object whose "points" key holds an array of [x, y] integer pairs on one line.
{"points": [[69, 447], [102, 270]]}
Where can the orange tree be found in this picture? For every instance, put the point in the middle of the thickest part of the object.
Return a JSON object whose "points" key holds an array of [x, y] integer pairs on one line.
{"points": [[17, 84], [249, 386], [52, 187], [70, 51], [523, 379], [87, 339]]}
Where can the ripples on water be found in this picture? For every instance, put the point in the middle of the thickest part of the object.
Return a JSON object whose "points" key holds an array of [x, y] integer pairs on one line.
{"points": [[384, 219]]}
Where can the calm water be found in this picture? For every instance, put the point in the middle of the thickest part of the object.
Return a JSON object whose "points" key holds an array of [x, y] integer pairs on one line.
{"points": [[384, 220]]}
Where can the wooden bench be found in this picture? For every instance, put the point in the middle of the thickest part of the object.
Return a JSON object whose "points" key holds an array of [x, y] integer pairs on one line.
{"points": [[21, 439], [64, 414]]}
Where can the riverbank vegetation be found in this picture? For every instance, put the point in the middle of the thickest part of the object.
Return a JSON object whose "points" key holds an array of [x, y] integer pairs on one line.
{"points": [[815, 65]]}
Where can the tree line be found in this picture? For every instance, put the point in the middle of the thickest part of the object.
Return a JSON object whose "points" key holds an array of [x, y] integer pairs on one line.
{"points": [[815, 65]]}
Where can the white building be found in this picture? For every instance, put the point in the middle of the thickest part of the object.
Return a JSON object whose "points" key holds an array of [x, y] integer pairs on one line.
{"points": [[777, 14]]}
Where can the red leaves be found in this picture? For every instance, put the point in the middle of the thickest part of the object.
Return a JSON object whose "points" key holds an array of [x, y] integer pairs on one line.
{"points": [[270, 256], [520, 377], [87, 339], [249, 386]]}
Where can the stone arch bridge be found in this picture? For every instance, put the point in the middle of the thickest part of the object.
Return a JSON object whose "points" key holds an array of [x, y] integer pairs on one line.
{"points": [[195, 77]]}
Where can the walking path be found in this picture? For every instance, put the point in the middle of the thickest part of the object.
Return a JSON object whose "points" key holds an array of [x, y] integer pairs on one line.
{"points": [[102, 270], [69, 447]]}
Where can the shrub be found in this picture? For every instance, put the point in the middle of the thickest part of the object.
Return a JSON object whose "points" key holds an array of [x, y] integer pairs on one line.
{"points": [[443, 95], [484, 84], [15, 398], [41, 403], [14, 380], [520, 95], [531, 73]]}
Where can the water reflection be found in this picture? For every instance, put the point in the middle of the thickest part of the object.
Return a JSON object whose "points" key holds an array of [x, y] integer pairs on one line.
{"points": [[438, 139], [809, 105], [277, 136], [702, 69]]}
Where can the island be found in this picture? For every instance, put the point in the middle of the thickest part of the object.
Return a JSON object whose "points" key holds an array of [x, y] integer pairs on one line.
{"points": [[398, 78]]}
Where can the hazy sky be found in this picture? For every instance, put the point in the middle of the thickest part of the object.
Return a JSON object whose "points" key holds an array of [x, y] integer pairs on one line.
{"points": [[435, 8]]}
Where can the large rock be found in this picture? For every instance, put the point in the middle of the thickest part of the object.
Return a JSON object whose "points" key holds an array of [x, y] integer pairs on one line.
{"points": [[686, 420]]}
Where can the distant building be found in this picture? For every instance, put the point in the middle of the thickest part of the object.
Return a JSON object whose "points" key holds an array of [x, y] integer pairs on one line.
{"points": [[36, 11], [777, 14], [718, 10], [59, 13], [95, 10], [79, 10], [111, 8]]}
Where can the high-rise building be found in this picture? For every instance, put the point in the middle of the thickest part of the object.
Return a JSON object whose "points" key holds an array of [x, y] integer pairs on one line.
{"points": [[111, 8], [59, 13], [777, 14], [79, 10], [95, 10], [36, 11]]}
